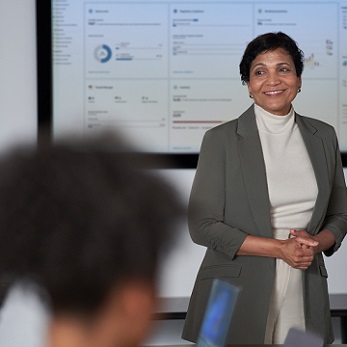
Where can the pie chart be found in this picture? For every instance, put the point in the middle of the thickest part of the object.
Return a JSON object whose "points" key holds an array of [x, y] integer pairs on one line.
{"points": [[103, 53]]}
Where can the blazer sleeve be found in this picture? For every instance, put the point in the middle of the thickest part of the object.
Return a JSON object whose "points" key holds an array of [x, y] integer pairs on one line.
{"points": [[336, 216], [207, 200]]}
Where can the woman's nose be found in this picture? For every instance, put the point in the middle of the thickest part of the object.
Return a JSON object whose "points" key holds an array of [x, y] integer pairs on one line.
{"points": [[272, 79]]}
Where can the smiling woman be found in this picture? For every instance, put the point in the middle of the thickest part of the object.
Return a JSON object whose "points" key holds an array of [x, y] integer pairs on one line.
{"points": [[268, 198]]}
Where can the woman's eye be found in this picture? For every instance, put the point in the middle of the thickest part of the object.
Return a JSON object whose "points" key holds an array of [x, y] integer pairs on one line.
{"points": [[259, 73]]}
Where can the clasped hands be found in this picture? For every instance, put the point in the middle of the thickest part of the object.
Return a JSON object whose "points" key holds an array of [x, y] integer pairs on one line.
{"points": [[299, 250]]}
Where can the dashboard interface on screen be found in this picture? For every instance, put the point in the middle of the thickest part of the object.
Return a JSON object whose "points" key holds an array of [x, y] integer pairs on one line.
{"points": [[164, 72]]}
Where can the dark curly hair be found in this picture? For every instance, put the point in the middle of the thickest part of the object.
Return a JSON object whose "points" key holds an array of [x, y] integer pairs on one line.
{"points": [[270, 42], [79, 222]]}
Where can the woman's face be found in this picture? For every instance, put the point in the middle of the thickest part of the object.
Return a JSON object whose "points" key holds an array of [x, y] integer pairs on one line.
{"points": [[273, 82]]}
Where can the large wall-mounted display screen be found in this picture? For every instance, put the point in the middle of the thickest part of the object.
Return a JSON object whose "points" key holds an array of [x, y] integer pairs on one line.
{"points": [[163, 72]]}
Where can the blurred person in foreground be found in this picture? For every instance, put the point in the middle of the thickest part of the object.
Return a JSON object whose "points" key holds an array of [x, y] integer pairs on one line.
{"points": [[82, 232], [268, 199]]}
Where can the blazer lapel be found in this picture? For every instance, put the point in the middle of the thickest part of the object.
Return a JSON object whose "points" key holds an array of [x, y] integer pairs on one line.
{"points": [[254, 174], [315, 148]]}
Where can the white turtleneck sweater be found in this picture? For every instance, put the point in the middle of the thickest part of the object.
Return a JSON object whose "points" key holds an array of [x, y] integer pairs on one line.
{"points": [[291, 181]]}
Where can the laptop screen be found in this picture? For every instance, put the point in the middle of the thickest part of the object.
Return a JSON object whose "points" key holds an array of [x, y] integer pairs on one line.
{"points": [[218, 314]]}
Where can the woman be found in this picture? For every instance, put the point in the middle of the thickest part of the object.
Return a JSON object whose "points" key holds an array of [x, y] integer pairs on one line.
{"points": [[268, 198]]}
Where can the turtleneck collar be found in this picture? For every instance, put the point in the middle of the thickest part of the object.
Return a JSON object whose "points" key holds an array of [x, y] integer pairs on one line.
{"points": [[274, 124]]}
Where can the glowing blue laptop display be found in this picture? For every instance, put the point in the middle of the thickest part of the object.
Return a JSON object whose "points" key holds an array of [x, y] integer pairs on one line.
{"points": [[218, 314]]}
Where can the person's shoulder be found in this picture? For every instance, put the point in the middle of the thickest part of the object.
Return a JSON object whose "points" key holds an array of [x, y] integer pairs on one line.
{"points": [[225, 129], [318, 124], [238, 125], [222, 133]]}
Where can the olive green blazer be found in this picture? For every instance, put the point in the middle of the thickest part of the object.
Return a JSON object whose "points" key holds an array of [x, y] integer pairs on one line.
{"points": [[229, 200]]}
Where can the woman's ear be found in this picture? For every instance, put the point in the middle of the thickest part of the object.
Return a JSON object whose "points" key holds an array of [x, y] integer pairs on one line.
{"points": [[126, 315], [136, 298], [299, 83]]}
